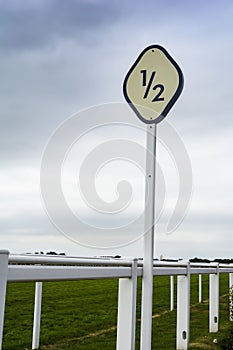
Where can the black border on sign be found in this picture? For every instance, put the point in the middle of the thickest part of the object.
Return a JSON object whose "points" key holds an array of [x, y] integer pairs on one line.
{"points": [[173, 99]]}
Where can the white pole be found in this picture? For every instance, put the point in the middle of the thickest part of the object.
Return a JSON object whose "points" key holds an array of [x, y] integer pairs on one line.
{"points": [[231, 295], [172, 293], [183, 311], [147, 280], [37, 316], [214, 302], [200, 289], [230, 280], [4, 256], [126, 320]]}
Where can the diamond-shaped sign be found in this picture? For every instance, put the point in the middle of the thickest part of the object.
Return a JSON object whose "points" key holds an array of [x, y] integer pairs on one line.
{"points": [[153, 84]]}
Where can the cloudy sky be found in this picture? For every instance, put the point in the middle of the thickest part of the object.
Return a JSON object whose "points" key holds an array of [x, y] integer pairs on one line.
{"points": [[61, 57]]}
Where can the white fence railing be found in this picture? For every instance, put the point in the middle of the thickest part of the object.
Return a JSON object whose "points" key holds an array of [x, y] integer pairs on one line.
{"points": [[23, 268]]}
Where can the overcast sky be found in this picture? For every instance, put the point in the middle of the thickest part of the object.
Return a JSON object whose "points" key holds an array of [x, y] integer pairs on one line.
{"points": [[60, 57]]}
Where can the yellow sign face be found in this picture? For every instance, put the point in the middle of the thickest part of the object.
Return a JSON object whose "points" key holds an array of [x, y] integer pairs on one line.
{"points": [[153, 84]]}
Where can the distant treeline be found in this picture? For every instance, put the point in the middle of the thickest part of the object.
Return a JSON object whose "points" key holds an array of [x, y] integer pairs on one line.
{"points": [[48, 253], [195, 260], [218, 260]]}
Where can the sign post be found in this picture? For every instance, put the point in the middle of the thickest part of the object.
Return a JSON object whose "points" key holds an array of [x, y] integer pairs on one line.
{"points": [[151, 87]]}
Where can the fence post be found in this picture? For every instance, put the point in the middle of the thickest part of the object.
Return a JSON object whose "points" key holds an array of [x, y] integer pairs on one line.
{"points": [[214, 301], [37, 316], [200, 289], [183, 310], [172, 293], [4, 256], [231, 295], [126, 320]]}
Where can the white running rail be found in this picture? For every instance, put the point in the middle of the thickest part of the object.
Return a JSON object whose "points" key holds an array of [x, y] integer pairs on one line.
{"points": [[24, 268]]}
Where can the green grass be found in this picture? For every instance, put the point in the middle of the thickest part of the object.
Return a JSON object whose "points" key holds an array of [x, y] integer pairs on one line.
{"points": [[83, 315]]}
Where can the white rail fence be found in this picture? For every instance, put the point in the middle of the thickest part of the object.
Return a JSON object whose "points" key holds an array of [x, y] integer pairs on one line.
{"points": [[24, 268]]}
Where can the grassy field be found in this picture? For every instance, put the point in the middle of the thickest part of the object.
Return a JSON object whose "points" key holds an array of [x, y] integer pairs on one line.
{"points": [[83, 314]]}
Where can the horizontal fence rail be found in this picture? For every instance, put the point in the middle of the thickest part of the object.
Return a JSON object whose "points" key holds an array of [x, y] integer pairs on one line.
{"points": [[25, 273], [28, 268]]}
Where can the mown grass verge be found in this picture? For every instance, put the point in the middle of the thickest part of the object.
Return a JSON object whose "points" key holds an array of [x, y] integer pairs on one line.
{"points": [[83, 315]]}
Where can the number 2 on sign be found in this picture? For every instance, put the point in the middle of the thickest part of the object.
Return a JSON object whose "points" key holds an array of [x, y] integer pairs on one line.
{"points": [[158, 87]]}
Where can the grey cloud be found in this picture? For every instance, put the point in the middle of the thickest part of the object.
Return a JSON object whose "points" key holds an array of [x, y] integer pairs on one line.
{"points": [[39, 26]]}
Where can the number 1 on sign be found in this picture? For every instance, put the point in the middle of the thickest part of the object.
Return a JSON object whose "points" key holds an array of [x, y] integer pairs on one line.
{"points": [[158, 87]]}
